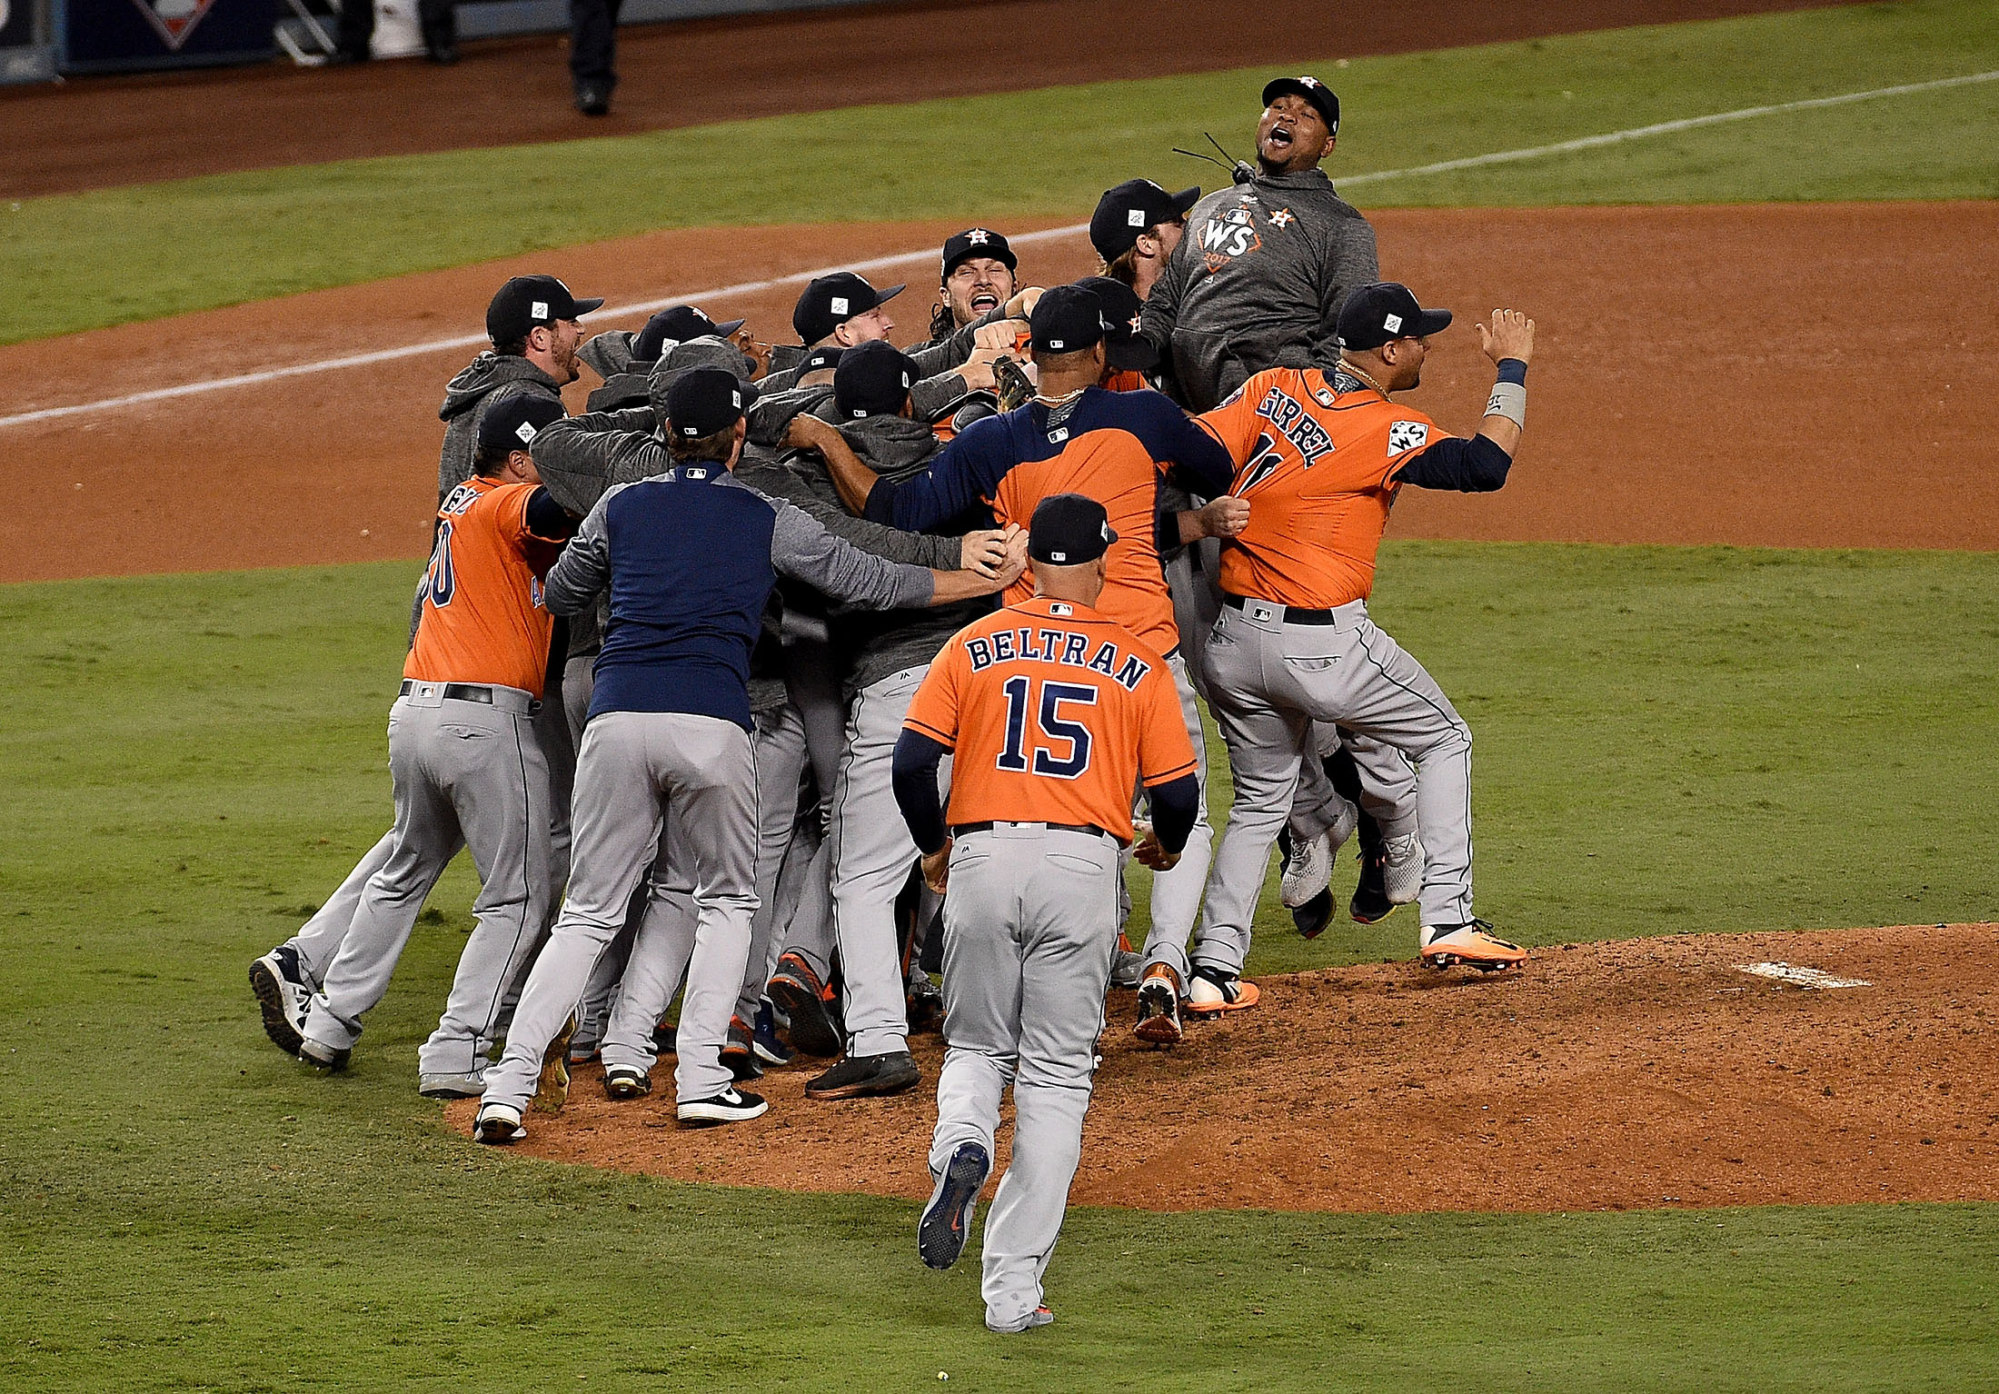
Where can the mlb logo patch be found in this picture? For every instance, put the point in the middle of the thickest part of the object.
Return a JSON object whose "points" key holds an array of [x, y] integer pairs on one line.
{"points": [[1058, 609], [1407, 435], [1058, 435]]}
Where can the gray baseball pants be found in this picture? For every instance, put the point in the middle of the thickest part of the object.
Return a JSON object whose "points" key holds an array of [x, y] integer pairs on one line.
{"points": [[660, 952], [871, 857], [636, 772], [579, 681], [1030, 925], [467, 774], [1270, 681], [318, 939]]}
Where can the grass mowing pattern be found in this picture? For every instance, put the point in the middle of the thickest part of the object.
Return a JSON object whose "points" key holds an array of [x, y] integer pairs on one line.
{"points": [[198, 758], [80, 261]]}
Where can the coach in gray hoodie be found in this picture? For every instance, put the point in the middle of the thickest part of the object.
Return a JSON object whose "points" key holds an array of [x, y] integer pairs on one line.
{"points": [[1259, 276]]}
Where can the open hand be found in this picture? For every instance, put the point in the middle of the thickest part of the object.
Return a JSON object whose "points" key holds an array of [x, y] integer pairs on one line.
{"points": [[983, 552], [1511, 336]]}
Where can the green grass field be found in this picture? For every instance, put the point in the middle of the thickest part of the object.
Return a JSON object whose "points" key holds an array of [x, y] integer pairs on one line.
{"points": [[87, 260], [1669, 739]]}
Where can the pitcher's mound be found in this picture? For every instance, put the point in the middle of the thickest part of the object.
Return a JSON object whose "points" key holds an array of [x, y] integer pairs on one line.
{"points": [[1644, 1072]]}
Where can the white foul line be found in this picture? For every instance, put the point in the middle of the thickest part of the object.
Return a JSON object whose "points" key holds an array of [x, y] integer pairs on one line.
{"points": [[646, 307]]}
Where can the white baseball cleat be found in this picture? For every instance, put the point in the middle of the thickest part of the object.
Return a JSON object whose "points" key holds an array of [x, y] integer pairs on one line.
{"points": [[1402, 869], [1307, 871], [498, 1124]]}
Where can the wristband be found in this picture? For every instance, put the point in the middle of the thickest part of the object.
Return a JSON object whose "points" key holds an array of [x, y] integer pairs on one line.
{"points": [[1509, 394]]}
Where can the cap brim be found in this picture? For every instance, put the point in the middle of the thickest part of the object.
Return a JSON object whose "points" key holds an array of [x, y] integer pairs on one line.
{"points": [[1134, 355], [749, 397], [584, 307], [882, 297], [728, 327], [1186, 199], [1431, 322]]}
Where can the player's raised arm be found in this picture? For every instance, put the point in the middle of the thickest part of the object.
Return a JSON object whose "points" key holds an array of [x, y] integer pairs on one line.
{"points": [[1481, 464]]}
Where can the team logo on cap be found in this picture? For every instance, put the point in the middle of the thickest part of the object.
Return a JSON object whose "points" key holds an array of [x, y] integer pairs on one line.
{"points": [[537, 309], [735, 397], [839, 305], [172, 20], [1134, 217], [978, 237], [1392, 323], [526, 432]]}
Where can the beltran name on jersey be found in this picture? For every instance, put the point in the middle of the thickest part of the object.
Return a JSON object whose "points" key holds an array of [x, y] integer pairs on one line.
{"points": [[1057, 646]]}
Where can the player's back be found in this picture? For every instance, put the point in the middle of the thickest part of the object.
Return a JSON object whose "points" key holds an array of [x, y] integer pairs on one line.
{"points": [[1052, 710], [1316, 466], [690, 562], [482, 619]]}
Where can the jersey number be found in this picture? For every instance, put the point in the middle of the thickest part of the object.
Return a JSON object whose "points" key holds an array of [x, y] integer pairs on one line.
{"points": [[1262, 462], [441, 580], [1019, 698]]}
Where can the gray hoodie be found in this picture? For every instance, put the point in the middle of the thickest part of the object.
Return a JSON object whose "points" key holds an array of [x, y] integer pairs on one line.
{"points": [[1257, 282], [939, 387], [487, 379], [879, 643]]}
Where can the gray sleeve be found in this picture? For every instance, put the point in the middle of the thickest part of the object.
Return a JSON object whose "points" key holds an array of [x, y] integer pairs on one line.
{"points": [[580, 575], [935, 396], [581, 456], [1349, 261], [1161, 311], [772, 412], [954, 348], [801, 548]]}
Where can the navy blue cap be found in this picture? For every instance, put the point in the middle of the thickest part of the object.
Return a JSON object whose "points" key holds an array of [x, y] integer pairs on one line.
{"points": [[677, 324], [873, 379], [1067, 319], [513, 422], [529, 302], [1373, 315], [1313, 91], [1125, 349], [978, 242], [1068, 530], [829, 301], [1129, 209], [707, 400]]}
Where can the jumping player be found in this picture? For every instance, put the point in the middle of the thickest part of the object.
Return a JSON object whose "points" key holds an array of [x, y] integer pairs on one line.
{"points": [[1321, 456], [1052, 714]]}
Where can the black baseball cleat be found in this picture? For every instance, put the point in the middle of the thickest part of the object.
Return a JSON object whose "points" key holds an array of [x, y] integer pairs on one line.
{"points": [[729, 1106], [593, 97], [947, 1220], [623, 1082], [1370, 898], [1314, 915], [739, 1052], [866, 1077], [799, 993]]}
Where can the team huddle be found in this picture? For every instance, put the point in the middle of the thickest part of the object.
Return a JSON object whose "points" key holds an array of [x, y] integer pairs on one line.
{"points": [[831, 687]]}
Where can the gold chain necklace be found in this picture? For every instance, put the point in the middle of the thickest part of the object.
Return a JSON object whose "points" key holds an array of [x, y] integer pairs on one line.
{"points": [[1351, 371]]}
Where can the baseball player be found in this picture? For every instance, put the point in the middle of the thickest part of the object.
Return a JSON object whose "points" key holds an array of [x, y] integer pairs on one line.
{"points": [[1321, 456], [1135, 228], [689, 558], [1115, 447], [626, 360], [467, 772], [1258, 278], [1052, 713], [977, 278]]}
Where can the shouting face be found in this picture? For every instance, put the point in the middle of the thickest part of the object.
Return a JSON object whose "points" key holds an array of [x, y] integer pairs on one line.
{"points": [[975, 286], [1292, 136]]}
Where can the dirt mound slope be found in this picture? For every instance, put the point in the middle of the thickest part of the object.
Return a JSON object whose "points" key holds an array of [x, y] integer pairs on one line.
{"points": [[103, 132], [1638, 1073]]}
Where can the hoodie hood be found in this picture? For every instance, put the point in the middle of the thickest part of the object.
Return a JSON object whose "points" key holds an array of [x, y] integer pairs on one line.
{"points": [[611, 354], [705, 352], [894, 447], [485, 373]]}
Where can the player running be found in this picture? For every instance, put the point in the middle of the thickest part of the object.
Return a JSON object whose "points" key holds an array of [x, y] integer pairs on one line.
{"points": [[1320, 458], [1052, 713]]}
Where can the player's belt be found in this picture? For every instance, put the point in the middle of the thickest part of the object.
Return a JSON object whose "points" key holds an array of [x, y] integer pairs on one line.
{"points": [[1292, 614], [467, 692], [960, 829]]}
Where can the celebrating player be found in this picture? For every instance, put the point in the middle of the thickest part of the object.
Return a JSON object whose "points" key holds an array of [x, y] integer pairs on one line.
{"points": [[1052, 713], [1320, 457]]}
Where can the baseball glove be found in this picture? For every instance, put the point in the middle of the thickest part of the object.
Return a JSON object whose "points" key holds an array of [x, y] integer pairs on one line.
{"points": [[1011, 384]]}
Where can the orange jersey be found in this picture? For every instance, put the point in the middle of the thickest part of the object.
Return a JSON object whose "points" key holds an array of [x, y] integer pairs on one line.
{"points": [[483, 620], [1054, 714], [1316, 468]]}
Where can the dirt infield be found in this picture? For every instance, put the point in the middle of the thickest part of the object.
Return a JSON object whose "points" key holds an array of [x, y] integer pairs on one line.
{"points": [[1707, 374], [1606, 1076], [103, 132]]}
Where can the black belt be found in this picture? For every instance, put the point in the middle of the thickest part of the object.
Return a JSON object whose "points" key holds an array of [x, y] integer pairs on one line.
{"points": [[460, 692], [1091, 828], [1292, 615]]}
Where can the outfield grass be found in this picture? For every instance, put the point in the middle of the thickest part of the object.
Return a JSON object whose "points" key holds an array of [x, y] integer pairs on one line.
{"points": [[1743, 740], [117, 255]]}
